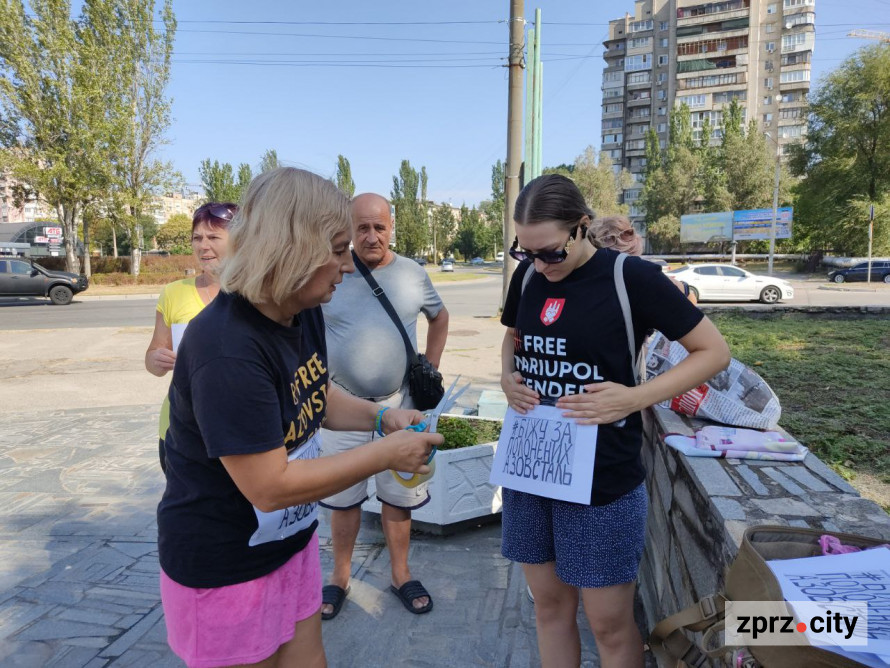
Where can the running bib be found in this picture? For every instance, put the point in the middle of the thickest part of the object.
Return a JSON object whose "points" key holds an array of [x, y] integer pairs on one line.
{"points": [[284, 523]]}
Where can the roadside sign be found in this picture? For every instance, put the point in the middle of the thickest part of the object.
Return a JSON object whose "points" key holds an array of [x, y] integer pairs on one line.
{"points": [[756, 223], [53, 232], [706, 227], [41, 240]]}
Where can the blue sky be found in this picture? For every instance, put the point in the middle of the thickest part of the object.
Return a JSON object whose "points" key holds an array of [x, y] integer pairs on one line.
{"points": [[253, 76]]}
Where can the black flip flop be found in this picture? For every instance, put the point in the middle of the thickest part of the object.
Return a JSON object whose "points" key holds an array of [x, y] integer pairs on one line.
{"points": [[410, 592], [334, 596]]}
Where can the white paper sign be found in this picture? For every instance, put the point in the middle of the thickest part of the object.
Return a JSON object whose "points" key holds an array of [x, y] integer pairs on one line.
{"points": [[178, 330], [546, 454], [858, 576]]}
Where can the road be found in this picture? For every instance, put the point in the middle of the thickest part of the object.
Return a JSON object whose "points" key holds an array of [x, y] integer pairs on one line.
{"points": [[477, 298]]}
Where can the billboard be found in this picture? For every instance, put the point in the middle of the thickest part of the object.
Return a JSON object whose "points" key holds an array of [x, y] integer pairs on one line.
{"points": [[706, 227], [756, 223]]}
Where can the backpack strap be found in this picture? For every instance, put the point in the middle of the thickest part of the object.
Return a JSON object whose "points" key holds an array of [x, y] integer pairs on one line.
{"points": [[528, 276], [624, 301], [670, 644]]}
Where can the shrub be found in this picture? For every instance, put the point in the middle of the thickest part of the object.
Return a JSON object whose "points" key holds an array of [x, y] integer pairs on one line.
{"points": [[466, 431]]}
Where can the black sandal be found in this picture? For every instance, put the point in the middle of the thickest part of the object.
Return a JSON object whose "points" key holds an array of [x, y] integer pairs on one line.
{"points": [[334, 596], [410, 592]]}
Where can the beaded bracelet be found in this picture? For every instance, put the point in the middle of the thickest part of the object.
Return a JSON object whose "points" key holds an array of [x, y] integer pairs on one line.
{"points": [[378, 421]]}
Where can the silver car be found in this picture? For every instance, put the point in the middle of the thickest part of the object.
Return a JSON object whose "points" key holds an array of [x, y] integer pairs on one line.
{"points": [[724, 282]]}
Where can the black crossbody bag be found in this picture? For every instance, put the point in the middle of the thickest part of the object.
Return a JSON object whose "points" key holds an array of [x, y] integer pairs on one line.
{"points": [[424, 381]]}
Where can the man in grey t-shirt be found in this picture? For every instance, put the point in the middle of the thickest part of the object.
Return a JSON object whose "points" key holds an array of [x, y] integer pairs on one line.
{"points": [[367, 357]]}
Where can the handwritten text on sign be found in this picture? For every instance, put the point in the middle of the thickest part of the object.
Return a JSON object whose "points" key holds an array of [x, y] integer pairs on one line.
{"points": [[546, 454]]}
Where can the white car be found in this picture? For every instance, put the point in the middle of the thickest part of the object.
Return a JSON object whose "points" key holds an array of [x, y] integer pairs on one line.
{"points": [[499, 257], [724, 282], [447, 265]]}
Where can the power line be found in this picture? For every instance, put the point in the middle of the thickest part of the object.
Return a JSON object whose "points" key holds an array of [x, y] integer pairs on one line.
{"points": [[342, 23]]}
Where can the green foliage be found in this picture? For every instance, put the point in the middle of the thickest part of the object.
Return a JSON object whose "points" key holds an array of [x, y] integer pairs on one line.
{"points": [[176, 234], [829, 373], [473, 238], [466, 431], [269, 161], [444, 227], [219, 181], [846, 157], [412, 233], [83, 104], [344, 177]]}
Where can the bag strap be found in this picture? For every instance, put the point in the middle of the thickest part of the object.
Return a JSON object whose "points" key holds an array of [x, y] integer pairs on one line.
{"points": [[670, 644], [378, 292], [624, 301]]}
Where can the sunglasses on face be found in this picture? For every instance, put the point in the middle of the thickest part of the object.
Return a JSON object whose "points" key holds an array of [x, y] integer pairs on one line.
{"points": [[547, 257], [611, 239]]}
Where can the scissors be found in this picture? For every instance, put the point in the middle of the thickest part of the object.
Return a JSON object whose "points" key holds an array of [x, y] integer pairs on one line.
{"points": [[445, 403]]}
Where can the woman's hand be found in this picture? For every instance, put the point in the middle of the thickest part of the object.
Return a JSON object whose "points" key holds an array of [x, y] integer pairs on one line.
{"points": [[601, 403], [396, 419], [520, 397], [160, 360], [409, 451]]}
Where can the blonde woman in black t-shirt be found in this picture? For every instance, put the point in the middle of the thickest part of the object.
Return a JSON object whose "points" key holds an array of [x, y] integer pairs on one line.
{"points": [[567, 318]]}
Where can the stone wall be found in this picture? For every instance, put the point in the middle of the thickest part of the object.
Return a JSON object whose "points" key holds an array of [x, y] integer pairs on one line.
{"points": [[700, 507]]}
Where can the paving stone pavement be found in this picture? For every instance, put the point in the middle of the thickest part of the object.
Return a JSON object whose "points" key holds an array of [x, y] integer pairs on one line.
{"points": [[79, 576]]}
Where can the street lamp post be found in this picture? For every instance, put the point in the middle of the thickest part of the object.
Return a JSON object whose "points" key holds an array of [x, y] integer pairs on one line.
{"points": [[772, 227]]}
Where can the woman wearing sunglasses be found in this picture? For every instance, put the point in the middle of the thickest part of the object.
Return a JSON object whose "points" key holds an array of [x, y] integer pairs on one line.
{"points": [[182, 300], [567, 317]]}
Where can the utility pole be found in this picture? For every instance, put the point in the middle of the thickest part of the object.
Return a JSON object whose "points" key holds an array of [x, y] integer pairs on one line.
{"points": [[514, 136], [871, 234]]}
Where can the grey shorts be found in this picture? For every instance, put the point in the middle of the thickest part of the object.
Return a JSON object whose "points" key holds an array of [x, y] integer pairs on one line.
{"points": [[385, 487]]}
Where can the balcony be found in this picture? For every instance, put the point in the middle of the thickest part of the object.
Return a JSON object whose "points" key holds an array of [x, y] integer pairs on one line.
{"points": [[712, 11], [691, 39], [639, 102]]}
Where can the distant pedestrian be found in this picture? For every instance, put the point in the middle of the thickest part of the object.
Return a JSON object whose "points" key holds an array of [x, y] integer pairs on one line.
{"points": [[568, 312], [182, 300], [240, 566]]}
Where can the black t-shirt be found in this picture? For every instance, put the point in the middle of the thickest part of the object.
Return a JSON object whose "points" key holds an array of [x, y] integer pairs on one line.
{"points": [[571, 333], [242, 384]]}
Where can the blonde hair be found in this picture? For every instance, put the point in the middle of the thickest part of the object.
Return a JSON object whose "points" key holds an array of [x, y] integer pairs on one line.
{"points": [[282, 234], [611, 226]]}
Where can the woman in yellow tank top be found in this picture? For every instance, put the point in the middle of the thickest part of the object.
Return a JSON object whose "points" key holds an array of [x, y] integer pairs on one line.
{"points": [[180, 301]]}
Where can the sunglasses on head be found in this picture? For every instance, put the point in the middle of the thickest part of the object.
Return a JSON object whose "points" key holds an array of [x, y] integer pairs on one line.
{"points": [[220, 211], [611, 239], [547, 257]]}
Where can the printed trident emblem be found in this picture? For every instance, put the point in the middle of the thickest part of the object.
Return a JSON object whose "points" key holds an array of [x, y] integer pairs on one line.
{"points": [[552, 310]]}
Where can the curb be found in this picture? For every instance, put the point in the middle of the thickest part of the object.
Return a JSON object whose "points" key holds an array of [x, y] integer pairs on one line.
{"points": [[838, 288], [98, 298]]}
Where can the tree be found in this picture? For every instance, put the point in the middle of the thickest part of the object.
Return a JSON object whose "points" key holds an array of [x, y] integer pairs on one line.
{"points": [[344, 177], [269, 161], [64, 90], [471, 239], [219, 181], [144, 107], [176, 234], [245, 176], [412, 234], [599, 183], [846, 157], [444, 226]]}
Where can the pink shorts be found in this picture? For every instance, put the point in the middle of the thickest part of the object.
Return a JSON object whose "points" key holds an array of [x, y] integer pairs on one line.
{"points": [[246, 622]]}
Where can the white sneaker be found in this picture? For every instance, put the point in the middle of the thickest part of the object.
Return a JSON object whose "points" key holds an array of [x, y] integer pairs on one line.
{"points": [[528, 592]]}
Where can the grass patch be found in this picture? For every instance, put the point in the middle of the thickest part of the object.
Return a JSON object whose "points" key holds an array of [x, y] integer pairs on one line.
{"points": [[467, 431], [832, 376], [437, 276]]}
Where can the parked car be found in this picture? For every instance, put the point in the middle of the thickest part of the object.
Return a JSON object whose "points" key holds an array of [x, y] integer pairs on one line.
{"points": [[477, 260], [22, 278], [420, 260], [499, 257], [880, 271], [447, 265], [724, 282]]}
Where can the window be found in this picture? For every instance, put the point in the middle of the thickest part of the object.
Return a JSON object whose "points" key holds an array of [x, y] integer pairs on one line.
{"points": [[787, 114], [662, 94], [613, 138], [770, 47], [636, 145], [662, 143], [792, 131], [664, 42], [631, 195], [613, 108], [791, 42], [706, 271], [615, 154], [639, 62], [692, 101], [639, 77], [662, 77], [770, 28], [639, 26], [710, 80], [664, 25], [794, 75], [772, 8], [788, 4], [767, 118], [662, 127], [613, 92], [612, 124], [662, 111], [733, 272], [640, 129], [639, 43], [767, 101], [768, 83], [612, 76], [662, 61], [799, 19], [729, 96]]}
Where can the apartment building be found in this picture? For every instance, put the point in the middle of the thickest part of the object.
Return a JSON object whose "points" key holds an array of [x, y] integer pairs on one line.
{"points": [[668, 52], [29, 211]]}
